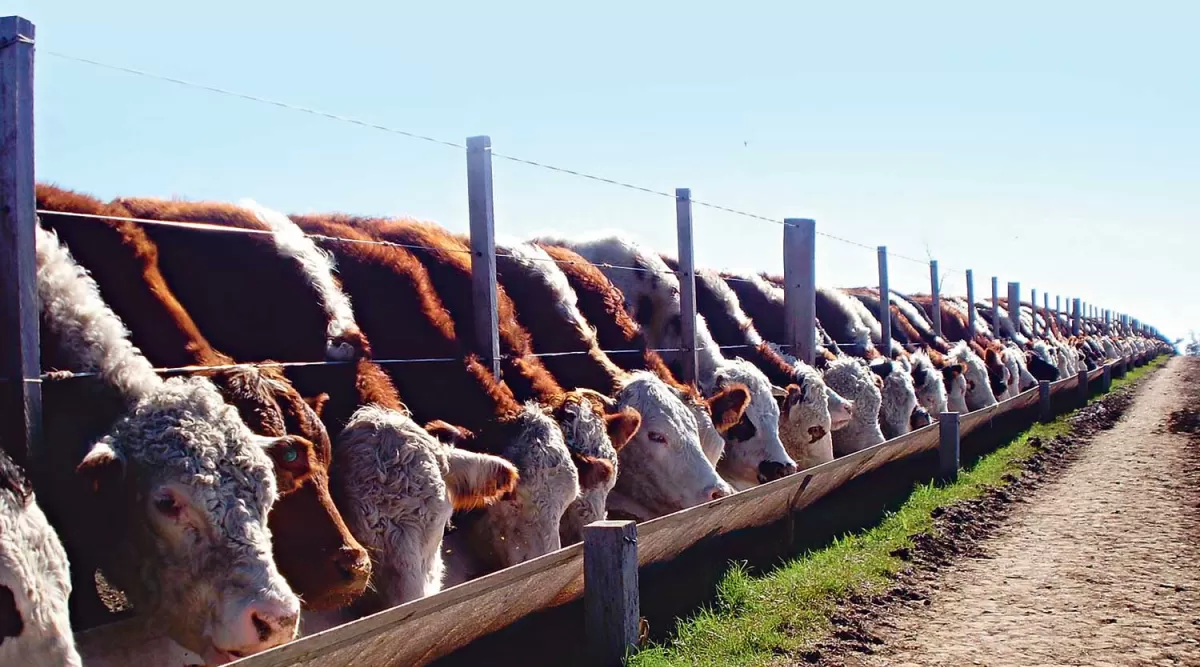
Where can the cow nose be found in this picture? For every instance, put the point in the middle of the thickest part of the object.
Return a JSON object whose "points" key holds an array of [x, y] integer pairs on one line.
{"points": [[719, 491], [352, 563], [266, 623], [772, 470]]}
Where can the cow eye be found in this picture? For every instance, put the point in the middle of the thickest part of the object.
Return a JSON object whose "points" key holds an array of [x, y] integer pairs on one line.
{"points": [[167, 505], [657, 437], [289, 454]]}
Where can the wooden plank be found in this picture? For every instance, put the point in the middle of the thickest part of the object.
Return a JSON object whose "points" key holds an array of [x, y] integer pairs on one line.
{"points": [[948, 446], [20, 366], [611, 603], [687, 282], [935, 292], [885, 311], [970, 304], [483, 249], [800, 287]]}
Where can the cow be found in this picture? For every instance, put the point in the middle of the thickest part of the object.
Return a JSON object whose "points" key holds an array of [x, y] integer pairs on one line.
{"points": [[313, 548], [593, 433], [754, 453], [35, 580], [806, 420], [979, 391], [548, 307], [296, 311], [159, 480], [650, 484], [397, 307]]}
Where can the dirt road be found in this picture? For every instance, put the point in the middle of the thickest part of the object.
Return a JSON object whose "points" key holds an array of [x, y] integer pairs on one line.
{"points": [[1100, 567]]}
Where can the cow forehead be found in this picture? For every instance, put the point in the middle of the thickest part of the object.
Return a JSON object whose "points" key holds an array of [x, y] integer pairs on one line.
{"points": [[658, 405], [184, 431], [763, 408]]}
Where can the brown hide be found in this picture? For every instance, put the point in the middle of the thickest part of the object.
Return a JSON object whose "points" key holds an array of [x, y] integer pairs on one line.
{"points": [[313, 548]]}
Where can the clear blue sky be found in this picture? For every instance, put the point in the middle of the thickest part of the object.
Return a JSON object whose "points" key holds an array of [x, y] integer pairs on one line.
{"points": [[1053, 143]]}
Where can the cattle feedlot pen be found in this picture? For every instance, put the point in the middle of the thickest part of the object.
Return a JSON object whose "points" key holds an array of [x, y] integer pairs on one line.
{"points": [[425, 629]]}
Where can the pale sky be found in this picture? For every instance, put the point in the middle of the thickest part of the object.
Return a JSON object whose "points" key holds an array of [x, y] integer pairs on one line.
{"points": [[1052, 143]]}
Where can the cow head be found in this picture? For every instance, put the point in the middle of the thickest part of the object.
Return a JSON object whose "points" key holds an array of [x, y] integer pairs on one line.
{"points": [[754, 453], [595, 428], [850, 378], [313, 548], [663, 467], [35, 627], [979, 393], [399, 486], [525, 522], [805, 424], [898, 398], [929, 381], [183, 489]]}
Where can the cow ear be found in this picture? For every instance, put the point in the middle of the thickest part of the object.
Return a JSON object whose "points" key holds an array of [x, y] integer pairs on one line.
{"points": [[317, 403], [728, 405], [449, 434], [622, 426], [103, 467], [294, 458], [593, 472], [477, 480]]}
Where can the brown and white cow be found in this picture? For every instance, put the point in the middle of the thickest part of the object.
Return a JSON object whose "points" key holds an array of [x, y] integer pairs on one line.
{"points": [[300, 313], [592, 432], [314, 550], [754, 453], [398, 308], [670, 449], [654, 462], [159, 481]]}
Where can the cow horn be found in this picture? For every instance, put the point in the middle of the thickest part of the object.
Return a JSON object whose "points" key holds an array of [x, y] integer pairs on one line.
{"points": [[606, 401], [778, 392]]}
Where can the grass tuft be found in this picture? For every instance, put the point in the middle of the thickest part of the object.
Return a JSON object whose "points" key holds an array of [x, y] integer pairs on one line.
{"points": [[759, 620]]}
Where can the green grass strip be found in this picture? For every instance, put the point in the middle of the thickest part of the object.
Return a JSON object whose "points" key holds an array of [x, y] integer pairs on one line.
{"points": [[758, 620]]}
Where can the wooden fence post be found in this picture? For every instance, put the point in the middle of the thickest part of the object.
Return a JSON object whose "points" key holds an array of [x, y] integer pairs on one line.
{"points": [[610, 595], [800, 287], [20, 363], [935, 291], [1075, 324], [1107, 378], [483, 249], [1014, 308], [1082, 388], [970, 304], [996, 307], [948, 447], [687, 281], [1033, 311], [885, 301], [1045, 411]]}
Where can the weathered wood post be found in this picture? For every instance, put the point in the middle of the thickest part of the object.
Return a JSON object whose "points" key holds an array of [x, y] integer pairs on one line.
{"points": [[1045, 411], [20, 364], [1014, 308], [1082, 388], [610, 591], [1107, 378], [970, 304], [1033, 311], [483, 249], [948, 447], [1075, 323], [1057, 307], [935, 292], [687, 281], [996, 307], [885, 301], [800, 287]]}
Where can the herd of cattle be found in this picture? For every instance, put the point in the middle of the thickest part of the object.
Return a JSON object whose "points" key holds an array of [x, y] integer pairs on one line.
{"points": [[237, 506]]}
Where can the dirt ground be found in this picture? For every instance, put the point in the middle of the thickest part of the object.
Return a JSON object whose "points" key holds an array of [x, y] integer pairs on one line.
{"points": [[1092, 557]]}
